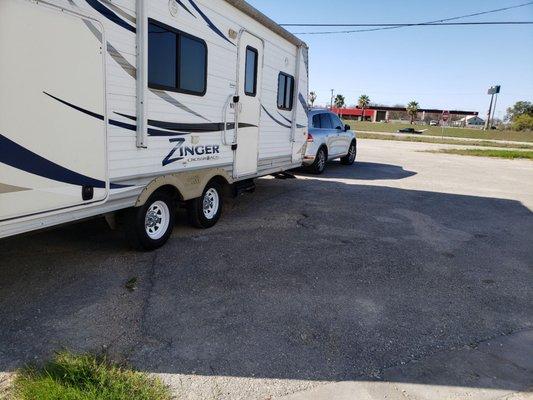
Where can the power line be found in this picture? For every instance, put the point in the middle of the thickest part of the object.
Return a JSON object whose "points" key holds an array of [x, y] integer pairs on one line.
{"points": [[435, 23], [394, 26], [397, 26]]}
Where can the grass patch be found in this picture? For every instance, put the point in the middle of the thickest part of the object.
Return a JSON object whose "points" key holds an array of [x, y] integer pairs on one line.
{"points": [[85, 377], [481, 143], [509, 154], [131, 285], [448, 132]]}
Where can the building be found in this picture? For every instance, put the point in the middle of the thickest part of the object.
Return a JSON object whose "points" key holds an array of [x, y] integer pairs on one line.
{"points": [[355, 113], [383, 114], [472, 121]]}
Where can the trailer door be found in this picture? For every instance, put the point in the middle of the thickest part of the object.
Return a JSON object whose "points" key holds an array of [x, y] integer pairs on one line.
{"points": [[250, 73], [52, 110]]}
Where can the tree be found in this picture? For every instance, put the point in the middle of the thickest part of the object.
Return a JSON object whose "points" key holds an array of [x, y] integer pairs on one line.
{"points": [[412, 110], [312, 98], [363, 103], [523, 122], [340, 101], [520, 108]]}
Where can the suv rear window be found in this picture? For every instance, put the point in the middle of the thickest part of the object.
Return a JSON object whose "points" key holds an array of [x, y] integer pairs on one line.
{"points": [[322, 121], [316, 121]]}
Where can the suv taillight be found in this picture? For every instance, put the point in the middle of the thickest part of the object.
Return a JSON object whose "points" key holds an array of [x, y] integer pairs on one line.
{"points": [[310, 138]]}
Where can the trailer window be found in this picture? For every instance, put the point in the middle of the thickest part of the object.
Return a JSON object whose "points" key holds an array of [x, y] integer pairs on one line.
{"points": [[162, 57], [193, 63], [177, 61], [285, 91], [250, 76]]}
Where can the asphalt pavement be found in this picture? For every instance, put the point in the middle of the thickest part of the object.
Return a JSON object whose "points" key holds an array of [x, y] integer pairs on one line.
{"points": [[307, 283]]}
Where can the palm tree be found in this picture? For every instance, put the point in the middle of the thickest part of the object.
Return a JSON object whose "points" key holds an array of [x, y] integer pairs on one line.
{"points": [[340, 101], [363, 102], [412, 110], [312, 98]]}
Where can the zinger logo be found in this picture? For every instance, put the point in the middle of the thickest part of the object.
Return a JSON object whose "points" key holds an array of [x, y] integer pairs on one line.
{"points": [[197, 153]]}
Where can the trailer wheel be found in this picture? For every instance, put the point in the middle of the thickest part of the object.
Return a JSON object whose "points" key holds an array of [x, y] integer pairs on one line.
{"points": [[349, 158], [149, 227], [205, 211], [319, 165]]}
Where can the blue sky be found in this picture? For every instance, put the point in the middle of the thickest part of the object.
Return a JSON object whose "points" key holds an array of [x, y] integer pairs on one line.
{"points": [[441, 67]]}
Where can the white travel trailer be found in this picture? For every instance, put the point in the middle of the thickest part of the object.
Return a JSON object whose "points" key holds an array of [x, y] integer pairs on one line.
{"points": [[136, 105]]}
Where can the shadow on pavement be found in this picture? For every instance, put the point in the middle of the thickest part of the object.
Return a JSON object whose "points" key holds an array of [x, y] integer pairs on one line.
{"points": [[296, 282], [365, 171]]}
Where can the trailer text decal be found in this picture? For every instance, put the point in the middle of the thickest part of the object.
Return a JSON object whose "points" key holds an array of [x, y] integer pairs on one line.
{"points": [[196, 153]]}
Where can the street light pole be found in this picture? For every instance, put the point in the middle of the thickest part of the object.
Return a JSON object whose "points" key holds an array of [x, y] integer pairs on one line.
{"points": [[332, 94]]}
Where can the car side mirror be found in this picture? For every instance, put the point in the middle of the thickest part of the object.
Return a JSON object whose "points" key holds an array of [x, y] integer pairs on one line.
{"points": [[347, 128]]}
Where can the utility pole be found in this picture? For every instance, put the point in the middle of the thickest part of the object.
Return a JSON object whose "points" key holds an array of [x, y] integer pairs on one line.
{"points": [[494, 109], [489, 114], [332, 94], [492, 92]]}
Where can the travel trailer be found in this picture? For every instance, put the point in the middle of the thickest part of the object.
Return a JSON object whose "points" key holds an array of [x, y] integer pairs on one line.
{"points": [[140, 105]]}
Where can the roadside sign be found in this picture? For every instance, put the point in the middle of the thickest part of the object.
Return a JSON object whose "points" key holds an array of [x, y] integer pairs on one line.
{"points": [[494, 90]]}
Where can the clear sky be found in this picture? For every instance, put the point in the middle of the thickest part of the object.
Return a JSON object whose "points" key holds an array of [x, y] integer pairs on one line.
{"points": [[440, 67]]}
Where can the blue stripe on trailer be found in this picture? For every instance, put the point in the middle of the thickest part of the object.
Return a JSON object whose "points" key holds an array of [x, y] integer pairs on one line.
{"points": [[110, 15], [19, 157]]}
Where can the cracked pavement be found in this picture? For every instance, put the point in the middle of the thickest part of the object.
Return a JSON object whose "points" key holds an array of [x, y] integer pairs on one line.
{"points": [[306, 282]]}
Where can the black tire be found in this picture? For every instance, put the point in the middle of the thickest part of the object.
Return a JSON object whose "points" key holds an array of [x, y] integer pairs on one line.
{"points": [[205, 218], [319, 165], [349, 159], [160, 213]]}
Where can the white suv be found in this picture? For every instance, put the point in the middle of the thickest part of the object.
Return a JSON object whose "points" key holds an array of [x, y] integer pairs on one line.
{"points": [[328, 139]]}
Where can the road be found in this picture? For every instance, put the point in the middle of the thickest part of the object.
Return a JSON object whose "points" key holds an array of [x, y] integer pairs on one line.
{"points": [[393, 262]]}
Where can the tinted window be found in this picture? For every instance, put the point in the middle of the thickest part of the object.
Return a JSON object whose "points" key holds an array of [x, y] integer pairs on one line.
{"points": [[161, 56], [250, 78], [285, 91], [281, 90], [325, 121], [337, 123], [193, 63], [316, 121], [176, 61]]}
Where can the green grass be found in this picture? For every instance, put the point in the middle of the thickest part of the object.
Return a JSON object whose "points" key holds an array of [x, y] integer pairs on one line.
{"points": [[438, 140], [509, 154], [448, 132], [70, 377]]}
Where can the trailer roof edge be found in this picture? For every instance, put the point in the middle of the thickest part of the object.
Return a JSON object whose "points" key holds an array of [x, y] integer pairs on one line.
{"points": [[266, 21]]}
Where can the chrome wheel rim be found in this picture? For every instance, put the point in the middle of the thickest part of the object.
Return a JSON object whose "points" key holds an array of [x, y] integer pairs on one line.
{"points": [[157, 220], [211, 203], [352, 153], [321, 160]]}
